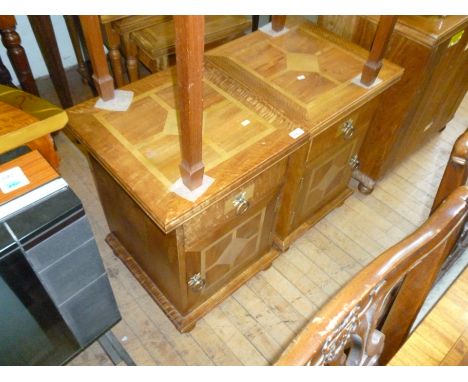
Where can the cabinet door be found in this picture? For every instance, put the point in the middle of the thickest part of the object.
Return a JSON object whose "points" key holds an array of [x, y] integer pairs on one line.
{"points": [[215, 260], [324, 179]]}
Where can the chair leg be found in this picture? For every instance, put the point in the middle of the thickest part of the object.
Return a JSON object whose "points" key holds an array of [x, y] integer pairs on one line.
{"points": [[45, 145]]}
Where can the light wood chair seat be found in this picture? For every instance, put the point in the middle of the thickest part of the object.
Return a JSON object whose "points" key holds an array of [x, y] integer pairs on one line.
{"points": [[29, 120], [157, 43]]}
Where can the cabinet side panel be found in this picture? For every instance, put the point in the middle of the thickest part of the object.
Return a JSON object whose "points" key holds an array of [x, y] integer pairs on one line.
{"points": [[154, 251]]}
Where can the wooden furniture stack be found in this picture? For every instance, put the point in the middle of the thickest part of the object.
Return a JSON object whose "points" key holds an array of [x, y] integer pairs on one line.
{"points": [[151, 40], [306, 75], [276, 146], [432, 50]]}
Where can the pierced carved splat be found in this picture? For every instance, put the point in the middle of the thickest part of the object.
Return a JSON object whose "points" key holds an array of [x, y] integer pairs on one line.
{"points": [[356, 341]]}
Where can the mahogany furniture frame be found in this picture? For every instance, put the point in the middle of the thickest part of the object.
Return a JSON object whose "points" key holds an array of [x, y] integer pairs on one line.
{"points": [[370, 318]]}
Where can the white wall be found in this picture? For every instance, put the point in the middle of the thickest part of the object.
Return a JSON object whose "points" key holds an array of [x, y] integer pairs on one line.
{"points": [[28, 41]]}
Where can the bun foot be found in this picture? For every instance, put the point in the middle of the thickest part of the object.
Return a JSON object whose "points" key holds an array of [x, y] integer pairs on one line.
{"points": [[366, 183]]}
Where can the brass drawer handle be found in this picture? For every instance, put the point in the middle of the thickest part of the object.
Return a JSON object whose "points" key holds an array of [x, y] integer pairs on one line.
{"points": [[241, 204], [348, 129], [354, 162], [196, 282]]}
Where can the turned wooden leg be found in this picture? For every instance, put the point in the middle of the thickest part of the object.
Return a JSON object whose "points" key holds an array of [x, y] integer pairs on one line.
{"points": [[113, 41], [12, 42], [45, 145], [73, 26], [131, 52]]}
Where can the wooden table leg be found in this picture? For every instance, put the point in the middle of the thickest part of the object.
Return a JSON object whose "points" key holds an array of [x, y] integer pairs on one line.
{"points": [[131, 52], [45, 36], [12, 42], [278, 22], [255, 22], [101, 77], [73, 26], [190, 32], [113, 42], [379, 46]]}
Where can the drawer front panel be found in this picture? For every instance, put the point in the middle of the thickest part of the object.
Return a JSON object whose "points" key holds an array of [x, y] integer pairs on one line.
{"points": [[235, 204], [215, 261], [348, 129]]}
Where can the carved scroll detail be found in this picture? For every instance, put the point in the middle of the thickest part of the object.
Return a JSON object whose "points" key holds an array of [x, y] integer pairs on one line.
{"points": [[356, 341]]}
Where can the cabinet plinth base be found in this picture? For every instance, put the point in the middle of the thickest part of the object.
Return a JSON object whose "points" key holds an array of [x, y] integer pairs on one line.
{"points": [[187, 323]]}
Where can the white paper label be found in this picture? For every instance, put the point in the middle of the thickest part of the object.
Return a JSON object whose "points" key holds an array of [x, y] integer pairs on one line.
{"points": [[245, 122], [296, 133], [12, 179]]}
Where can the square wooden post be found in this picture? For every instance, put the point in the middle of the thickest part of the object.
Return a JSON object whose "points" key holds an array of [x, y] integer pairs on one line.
{"points": [[190, 38], [278, 22], [93, 37], [379, 46]]}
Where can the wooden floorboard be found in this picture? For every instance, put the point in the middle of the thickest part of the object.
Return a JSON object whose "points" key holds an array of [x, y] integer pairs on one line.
{"points": [[442, 337], [254, 325]]}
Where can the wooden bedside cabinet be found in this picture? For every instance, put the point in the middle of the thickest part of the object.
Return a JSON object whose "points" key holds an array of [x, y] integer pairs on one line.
{"points": [[306, 76], [432, 50], [188, 255]]}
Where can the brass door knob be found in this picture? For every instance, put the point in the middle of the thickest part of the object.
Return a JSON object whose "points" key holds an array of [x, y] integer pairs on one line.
{"points": [[196, 282], [241, 204], [348, 129]]}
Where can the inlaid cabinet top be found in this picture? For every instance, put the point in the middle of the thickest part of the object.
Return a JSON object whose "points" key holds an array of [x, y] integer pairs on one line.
{"points": [[140, 147], [307, 72]]}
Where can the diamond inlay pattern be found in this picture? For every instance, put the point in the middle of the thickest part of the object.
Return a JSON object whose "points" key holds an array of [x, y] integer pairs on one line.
{"points": [[154, 141], [232, 249], [302, 64]]}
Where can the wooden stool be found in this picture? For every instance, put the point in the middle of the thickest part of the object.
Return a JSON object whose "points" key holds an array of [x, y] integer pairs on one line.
{"points": [[156, 44], [29, 120]]}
